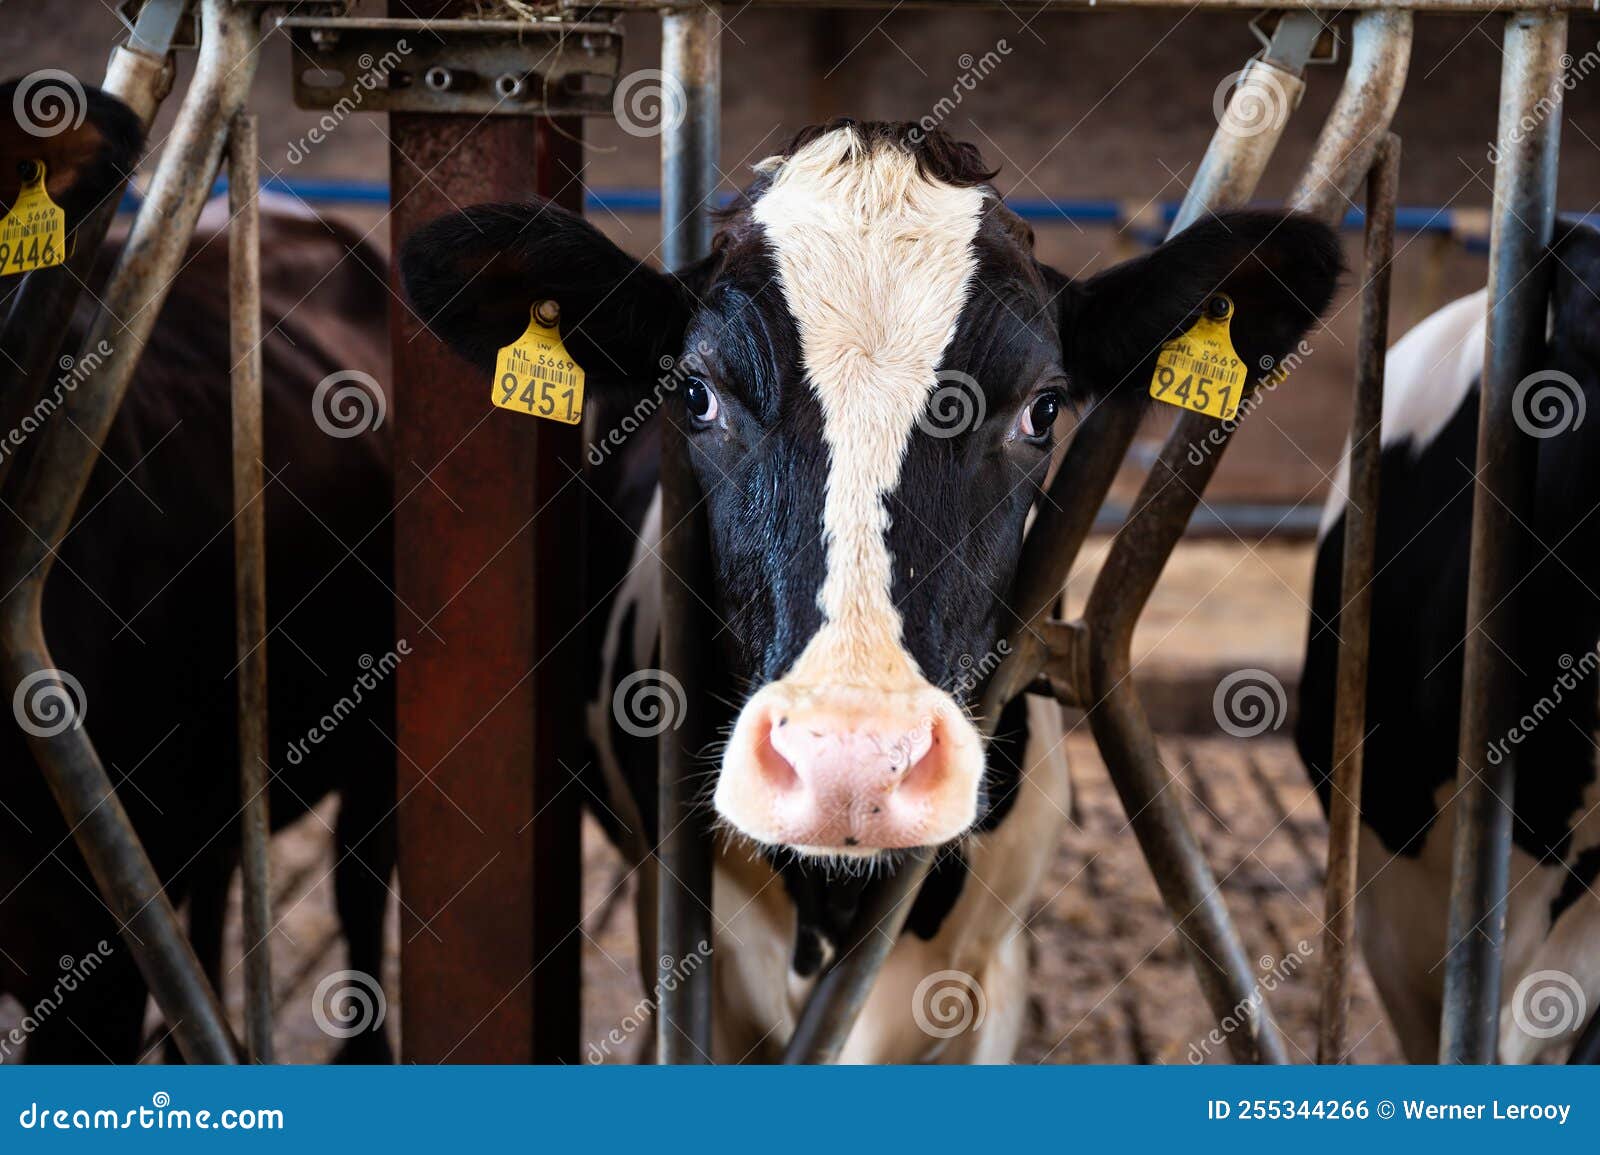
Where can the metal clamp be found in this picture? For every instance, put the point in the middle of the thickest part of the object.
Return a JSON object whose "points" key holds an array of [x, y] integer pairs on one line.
{"points": [[482, 67]]}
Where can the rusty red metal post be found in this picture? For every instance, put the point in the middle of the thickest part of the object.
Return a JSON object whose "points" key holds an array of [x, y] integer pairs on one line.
{"points": [[488, 574]]}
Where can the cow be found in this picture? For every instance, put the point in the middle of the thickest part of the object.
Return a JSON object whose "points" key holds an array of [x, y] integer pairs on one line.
{"points": [[139, 607], [867, 283], [1419, 622]]}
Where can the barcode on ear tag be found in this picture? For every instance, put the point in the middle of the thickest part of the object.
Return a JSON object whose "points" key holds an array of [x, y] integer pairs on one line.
{"points": [[1200, 370], [536, 375], [33, 234]]}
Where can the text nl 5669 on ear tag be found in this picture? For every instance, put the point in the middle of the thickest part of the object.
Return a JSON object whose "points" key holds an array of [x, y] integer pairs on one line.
{"points": [[1200, 370], [33, 234], [536, 375]]}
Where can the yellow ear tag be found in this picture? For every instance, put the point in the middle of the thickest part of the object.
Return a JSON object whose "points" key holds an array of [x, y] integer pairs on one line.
{"points": [[536, 375], [1200, 370], [33, 234]]}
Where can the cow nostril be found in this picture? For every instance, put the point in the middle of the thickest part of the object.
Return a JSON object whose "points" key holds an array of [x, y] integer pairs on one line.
{"points": [[775, 767], [927, 773]]}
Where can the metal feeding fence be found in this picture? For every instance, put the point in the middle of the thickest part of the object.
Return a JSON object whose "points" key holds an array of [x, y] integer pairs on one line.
{"points": [[535, 70]]}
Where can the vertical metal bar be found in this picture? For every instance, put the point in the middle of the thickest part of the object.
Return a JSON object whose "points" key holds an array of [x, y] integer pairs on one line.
{"points": [[1531, 91], [1355, 613], [250, 577], [489, 816], [691, 58], [49, 497]]}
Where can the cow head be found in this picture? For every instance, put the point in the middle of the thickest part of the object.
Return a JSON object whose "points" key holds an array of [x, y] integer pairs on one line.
{"points": [[874, 363], [87, 140]]}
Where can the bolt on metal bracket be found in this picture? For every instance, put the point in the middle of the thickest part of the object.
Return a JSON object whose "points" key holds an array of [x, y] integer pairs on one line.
{"points": [[481, 67]]}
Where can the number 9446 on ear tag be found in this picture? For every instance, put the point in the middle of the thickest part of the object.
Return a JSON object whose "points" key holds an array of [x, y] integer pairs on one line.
{"points": [[536, 375], [1200, 370]]}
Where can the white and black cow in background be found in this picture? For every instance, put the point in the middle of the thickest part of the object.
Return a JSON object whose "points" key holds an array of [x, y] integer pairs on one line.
{"points": [[861, 561], [1419, 607]]}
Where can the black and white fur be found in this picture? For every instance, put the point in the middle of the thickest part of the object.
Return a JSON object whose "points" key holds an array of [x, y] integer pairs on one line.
{"points": [[853, 548], [1414, 685]]}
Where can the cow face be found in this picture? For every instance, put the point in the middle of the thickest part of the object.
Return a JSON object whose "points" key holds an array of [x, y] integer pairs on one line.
{"points": [[874, 362]]}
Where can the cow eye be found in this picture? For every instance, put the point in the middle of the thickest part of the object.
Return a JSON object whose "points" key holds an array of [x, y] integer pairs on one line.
{"points": [[1040, 415], [701, 400]]}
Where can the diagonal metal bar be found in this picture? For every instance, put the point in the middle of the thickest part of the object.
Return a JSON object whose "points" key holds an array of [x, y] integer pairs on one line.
{"points": [[49, 496]]}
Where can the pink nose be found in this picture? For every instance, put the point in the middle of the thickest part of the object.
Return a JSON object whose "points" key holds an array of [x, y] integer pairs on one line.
{"points": [[847, 771]]}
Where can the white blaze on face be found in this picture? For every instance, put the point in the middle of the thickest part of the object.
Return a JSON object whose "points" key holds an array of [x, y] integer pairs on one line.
{"points": [[853, 750], [875, 260]]}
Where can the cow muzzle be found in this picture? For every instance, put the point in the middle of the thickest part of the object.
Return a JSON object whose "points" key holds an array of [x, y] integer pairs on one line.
{"points": [[851, 770]]}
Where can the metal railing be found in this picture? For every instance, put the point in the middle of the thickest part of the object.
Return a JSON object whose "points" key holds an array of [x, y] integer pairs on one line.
{"points": [[1087, 663], [1083, 663]]}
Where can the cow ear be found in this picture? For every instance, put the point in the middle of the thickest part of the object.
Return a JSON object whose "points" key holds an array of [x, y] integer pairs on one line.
{"points": [[88, 141], [473, 276], [1280, 269]]}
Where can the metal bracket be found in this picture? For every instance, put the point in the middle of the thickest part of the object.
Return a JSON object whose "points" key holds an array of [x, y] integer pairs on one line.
{"points": [[157, 27], [1065, 676], [482, 67], [1324, 46]]}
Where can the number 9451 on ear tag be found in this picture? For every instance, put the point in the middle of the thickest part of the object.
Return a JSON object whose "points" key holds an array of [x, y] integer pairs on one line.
{"points": [[536, 375], [1200, 370]]}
